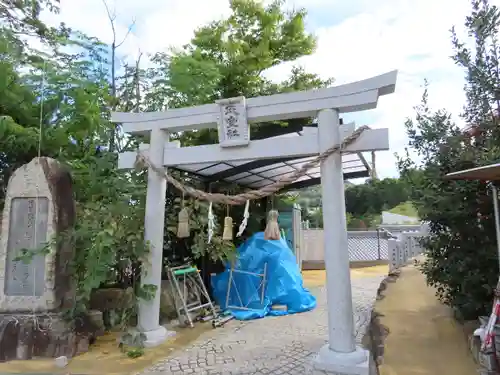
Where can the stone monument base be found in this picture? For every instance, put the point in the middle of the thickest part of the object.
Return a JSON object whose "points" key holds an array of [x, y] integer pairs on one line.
{"points": [[28, 336]]}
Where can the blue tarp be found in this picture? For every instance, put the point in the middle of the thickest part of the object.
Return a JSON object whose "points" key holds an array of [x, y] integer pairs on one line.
{"points": [[283, 286]]}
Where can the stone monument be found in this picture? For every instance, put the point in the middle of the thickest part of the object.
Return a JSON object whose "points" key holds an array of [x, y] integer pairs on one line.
{"points": [[39, 208]]}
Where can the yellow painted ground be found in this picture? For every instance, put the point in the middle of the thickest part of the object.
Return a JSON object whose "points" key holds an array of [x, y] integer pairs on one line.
{"points": [[105, 357], [423, 339], [318, 278]]}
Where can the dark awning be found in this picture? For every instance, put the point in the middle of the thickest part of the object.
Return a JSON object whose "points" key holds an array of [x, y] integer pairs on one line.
{"points": [[485, 173]]}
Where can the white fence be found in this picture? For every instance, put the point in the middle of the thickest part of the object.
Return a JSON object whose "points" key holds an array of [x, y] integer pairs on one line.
{"points": [[362, 245], [403, 249]]}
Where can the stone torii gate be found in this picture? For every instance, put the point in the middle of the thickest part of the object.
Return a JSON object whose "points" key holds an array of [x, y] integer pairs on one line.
{"points": [[232, 118]]}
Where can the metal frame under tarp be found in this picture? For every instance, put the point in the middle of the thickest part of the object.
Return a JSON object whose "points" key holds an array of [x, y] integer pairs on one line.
{"points": [[256, 174]]}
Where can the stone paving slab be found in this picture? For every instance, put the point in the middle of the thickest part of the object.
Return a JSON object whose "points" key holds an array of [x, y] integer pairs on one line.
{"points": [[269, 346]]}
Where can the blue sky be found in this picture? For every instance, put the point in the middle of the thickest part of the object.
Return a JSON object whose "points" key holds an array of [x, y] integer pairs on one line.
{"points": [[357, 39]]}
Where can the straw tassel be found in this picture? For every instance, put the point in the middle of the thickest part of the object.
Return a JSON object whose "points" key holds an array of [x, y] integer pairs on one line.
{"points": [[227, 235], [183, 227], [272, 231]]}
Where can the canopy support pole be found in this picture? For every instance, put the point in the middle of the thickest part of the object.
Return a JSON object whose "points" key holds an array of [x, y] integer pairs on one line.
{"points": [[494, 190]]}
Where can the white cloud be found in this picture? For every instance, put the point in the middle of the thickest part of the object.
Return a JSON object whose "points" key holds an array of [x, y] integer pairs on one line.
{"points": [[376, 37], [410, 36], [159, 24]]}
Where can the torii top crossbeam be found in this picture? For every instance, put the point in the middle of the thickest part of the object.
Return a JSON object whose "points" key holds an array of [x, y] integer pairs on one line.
{"points": [[214, 161], [352, 97]]}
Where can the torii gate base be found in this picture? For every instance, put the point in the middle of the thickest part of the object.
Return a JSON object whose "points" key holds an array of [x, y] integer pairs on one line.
{"points": [[340, 356], [359, 362]]}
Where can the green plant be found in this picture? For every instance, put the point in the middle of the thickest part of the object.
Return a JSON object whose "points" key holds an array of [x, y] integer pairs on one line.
{"points": [[26, 255], [135, 339], [217, 249], [135, 353], [406, 209]]}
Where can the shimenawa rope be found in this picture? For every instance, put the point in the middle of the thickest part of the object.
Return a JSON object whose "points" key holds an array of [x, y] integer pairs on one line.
{"points": [[239, 199]]}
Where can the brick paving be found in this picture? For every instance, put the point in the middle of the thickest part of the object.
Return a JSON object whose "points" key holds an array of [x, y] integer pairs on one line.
{"points": [[269, 346]]}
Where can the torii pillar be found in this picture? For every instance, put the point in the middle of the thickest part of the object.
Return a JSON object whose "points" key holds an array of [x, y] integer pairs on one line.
{"points": [[340, 356], [149, 310]]}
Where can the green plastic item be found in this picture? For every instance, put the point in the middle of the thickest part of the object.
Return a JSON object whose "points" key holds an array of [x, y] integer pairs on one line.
{"points": [[183, 271]]}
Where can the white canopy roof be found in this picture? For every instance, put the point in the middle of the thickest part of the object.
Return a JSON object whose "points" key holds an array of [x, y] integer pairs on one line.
{"points": [[256, 174]]}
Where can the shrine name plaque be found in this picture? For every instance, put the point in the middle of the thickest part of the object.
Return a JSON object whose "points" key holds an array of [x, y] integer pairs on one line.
{"points": [[27, 230]]}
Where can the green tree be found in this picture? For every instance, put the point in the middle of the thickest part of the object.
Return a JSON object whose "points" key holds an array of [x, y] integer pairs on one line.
{"points": [[21, 19], [59, 102], [225, 59], [462, 261], [374, 196], [364, 202]]}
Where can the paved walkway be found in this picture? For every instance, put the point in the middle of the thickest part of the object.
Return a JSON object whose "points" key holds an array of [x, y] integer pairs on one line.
{"points": [[424, 338], [273, 345]]}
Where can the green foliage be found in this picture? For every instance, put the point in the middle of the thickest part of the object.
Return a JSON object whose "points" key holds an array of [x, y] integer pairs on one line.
{"points": [[406, 209], [227, 58], [217, 249], [135, 353], [21, 18], [132, 343], [461, 249], [26, 255], [70, 124], [364, 222], [364, 202], [375, 196], [234, 52]]}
